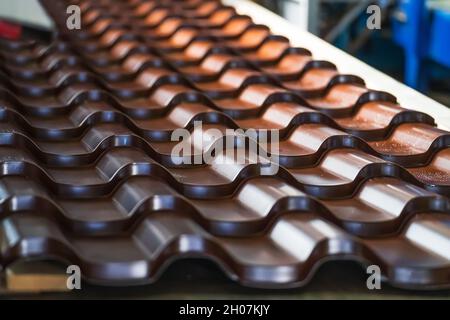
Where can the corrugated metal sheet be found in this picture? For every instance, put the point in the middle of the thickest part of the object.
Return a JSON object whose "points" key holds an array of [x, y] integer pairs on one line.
{"points": [[88, 176]]}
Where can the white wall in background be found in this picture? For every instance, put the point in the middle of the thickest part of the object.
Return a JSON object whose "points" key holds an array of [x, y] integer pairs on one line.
{"points": [[25, 10], [296, 11]]}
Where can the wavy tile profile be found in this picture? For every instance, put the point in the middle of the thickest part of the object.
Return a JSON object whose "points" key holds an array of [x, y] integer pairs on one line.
{"points": [[88, 175]]}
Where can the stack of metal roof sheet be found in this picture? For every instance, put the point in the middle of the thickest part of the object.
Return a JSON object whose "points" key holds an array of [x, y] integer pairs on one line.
{"points": [[88, 174]]}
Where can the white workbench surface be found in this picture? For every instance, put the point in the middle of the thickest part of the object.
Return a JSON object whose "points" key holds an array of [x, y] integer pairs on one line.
{"points": [[407, 97]]}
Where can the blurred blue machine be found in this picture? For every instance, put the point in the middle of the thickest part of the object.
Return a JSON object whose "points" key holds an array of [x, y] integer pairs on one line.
{"points": [[422, 28]]}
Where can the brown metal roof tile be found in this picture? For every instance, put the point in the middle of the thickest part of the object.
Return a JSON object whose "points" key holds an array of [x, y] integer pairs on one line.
{"points": [[85, 134]]}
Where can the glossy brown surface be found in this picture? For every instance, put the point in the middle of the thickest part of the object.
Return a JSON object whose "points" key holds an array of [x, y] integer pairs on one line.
{"points": [[87, 175]]}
